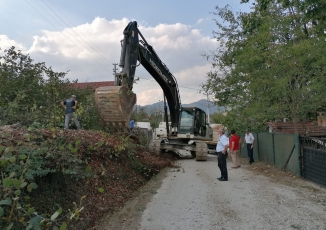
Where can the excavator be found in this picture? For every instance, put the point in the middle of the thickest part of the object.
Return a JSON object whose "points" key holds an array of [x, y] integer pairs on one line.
{"points": [[186, 127]]}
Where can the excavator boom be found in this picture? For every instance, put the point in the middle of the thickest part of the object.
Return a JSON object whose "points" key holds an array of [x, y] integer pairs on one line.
{"points": [[115, 103], [189, 129]]}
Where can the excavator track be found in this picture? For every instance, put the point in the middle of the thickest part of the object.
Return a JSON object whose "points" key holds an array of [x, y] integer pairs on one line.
{"points": [[201, 151], [115, 104]]}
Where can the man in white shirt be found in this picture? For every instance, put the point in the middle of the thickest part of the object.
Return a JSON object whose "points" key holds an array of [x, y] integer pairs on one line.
{"points": [[221, 150], [250, 140]]}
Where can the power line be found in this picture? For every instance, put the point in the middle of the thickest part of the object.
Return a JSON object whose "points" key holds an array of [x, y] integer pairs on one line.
{"points": [[178, 85], [59, 30], [59, 22], [44, 2], [73, 24]]}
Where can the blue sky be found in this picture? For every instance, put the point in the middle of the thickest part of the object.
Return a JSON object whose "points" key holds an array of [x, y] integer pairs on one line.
{"points": [[82, 37]]}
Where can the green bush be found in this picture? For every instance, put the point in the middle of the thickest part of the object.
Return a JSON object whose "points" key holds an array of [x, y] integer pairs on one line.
{"points": [[21, 165]]}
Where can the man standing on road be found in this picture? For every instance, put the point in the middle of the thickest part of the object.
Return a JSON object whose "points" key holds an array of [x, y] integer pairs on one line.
{"points": [[250, 140], [235, 142], [70, 106], [221, 150]]}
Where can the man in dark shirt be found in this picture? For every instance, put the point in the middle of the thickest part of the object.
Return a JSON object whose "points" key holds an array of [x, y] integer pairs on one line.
{"points": [[70, 106]]}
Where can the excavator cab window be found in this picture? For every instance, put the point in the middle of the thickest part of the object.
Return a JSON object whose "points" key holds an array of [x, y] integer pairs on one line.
{"points": [[193, 120], [200, 123], [197, 123], [186, 121]]}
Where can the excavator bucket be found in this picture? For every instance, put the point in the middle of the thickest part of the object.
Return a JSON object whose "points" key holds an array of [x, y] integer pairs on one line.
{"points": [[115, 104]]}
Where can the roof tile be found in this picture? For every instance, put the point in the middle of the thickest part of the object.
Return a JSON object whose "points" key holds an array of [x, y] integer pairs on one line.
{"points": [[305, 128], [93, 85]]}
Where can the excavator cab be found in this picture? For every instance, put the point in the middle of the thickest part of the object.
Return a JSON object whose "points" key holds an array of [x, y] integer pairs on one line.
{"points": [[192, 123]]}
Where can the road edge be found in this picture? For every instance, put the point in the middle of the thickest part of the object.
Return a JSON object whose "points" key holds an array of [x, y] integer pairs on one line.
{"points": [[129, 216]]}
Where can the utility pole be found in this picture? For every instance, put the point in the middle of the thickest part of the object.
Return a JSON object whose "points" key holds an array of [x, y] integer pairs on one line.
{"points": [[208, 119], [116, 81], [161, 110]]}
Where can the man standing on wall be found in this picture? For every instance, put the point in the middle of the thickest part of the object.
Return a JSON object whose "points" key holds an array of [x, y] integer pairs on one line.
{"points": [[250, 140], [70, 106], [235, 142], [221, 150]]}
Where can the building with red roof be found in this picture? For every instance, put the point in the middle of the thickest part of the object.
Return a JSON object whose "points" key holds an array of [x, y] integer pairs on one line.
{"points": [[93, 85], [304, 128]]}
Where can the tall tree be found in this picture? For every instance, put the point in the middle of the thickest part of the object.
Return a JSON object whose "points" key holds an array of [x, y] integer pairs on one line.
{"points": [[269, 65]]}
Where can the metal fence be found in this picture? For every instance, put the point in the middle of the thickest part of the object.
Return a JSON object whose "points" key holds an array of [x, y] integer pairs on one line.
{"points": [[281, 150], [314, 159], [304, 156]]}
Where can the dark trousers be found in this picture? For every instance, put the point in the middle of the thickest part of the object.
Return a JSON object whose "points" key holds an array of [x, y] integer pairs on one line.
{"points": [[250, 153], [221, 162]]}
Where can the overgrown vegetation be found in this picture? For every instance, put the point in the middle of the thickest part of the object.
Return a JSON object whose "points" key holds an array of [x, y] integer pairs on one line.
{"points": [[56, 179], [271, 62]]}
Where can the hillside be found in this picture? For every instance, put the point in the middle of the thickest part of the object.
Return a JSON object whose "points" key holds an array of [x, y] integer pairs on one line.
{"points": [[202, 104]]}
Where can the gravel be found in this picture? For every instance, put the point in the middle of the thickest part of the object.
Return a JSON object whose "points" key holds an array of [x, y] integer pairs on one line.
{"points": [[191, 197]]}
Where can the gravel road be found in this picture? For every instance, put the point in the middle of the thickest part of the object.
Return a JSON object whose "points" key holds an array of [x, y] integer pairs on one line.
{"points": [[193, 198], [255, 197]]}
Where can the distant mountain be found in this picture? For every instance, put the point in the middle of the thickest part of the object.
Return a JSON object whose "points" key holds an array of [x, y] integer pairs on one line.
{"points": [[202, 104]]}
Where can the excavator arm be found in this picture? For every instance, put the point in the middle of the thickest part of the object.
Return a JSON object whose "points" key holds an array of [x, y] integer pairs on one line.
{"points": [[115, 103], [135, 50]]}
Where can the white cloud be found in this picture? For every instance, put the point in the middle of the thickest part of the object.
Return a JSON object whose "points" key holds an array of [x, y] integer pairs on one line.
{"points": [[72, 42], [90, 57], [199, 21], [173, 37], [6, 43], [155, 94], [190, 79], [189, 82], [149, 96], [193, 76]]}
